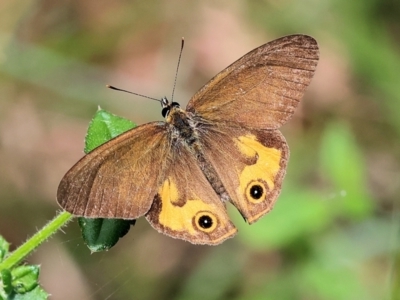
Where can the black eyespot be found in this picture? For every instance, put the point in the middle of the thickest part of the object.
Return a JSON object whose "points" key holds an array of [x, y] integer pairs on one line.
{"points": [[256, 191], [165, 111], [205, 222]]}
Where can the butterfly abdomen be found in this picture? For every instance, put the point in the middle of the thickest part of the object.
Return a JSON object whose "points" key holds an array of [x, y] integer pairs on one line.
{"points": [[185, 131]]}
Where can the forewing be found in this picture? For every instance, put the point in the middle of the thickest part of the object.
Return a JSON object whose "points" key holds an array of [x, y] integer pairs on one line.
{"points": [[262, 89], [119, 178]]}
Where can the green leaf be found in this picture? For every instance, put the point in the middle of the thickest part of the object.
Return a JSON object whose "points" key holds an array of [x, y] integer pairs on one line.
{"points": [[104, 127], [102, 234], [36, 294], [25, 278], [6, 287], [4, 246]]}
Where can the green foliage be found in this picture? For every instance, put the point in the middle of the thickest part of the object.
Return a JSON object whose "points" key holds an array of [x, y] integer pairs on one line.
{"points": [[20, 282], [102, 234], [103, 127]]}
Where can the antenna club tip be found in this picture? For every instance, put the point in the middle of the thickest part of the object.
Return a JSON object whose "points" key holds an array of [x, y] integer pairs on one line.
{"points": [[108, 86]]}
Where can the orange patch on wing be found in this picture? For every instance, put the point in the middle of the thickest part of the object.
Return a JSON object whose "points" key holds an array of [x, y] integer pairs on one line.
{"points": [[180, 218], [266, 167]]}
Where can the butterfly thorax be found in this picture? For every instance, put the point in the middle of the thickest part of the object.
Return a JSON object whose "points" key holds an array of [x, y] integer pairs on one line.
{"points": [[183, 125]]}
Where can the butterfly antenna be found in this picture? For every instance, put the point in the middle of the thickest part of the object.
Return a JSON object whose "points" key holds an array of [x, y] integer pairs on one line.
{"points": [[177, 68], [121, 90]]}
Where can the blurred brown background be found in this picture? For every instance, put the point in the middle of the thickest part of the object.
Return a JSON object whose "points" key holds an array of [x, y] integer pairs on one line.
{"points": [[334, 233]]}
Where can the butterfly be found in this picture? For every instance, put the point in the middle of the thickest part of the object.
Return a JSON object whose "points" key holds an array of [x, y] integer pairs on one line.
{"points": [[225, 147]]}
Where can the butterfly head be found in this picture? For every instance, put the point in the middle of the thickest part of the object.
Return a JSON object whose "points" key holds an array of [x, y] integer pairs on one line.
{"points": [[167, 107]]}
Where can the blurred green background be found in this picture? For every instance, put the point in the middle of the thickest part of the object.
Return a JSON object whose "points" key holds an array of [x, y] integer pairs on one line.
{"points": [[334, 232]]}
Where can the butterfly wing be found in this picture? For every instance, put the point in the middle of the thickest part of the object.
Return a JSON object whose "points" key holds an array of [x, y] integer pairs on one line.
{"points": [[186, 206], [262, 89], [251, 165], [119, 178]]}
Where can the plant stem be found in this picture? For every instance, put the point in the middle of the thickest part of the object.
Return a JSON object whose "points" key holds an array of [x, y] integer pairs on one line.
{"points": [[31, 244]]}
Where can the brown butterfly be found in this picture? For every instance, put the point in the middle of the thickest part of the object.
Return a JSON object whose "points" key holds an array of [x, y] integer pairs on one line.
{"points": [[225, 147]]}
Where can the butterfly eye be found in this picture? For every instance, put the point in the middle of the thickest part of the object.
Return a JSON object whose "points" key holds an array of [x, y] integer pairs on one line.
{"points": [[165, 112], [205, 221], [175, 104], [256, 191]]}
